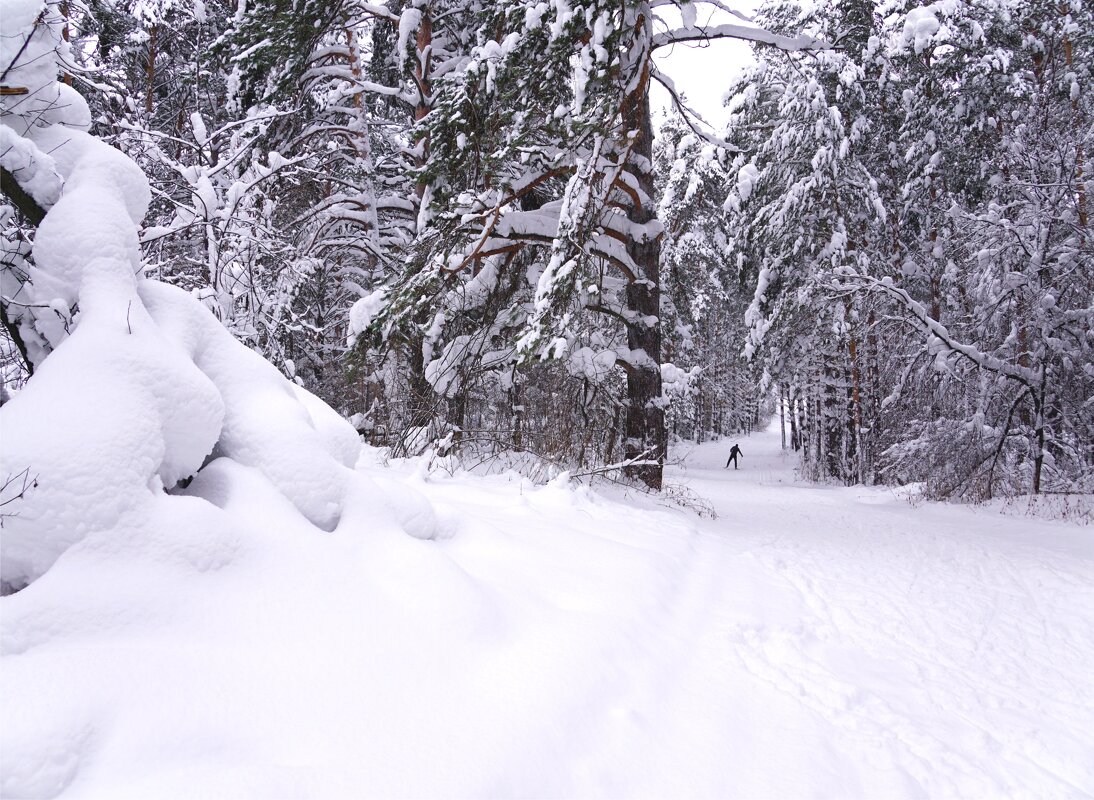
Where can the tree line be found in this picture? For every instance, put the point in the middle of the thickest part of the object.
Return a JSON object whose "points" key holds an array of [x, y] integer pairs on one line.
{"points": [[912, 209], [456, 223]]}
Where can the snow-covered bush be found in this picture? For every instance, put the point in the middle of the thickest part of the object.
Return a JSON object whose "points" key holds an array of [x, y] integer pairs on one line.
{"points": [[142, 388]]}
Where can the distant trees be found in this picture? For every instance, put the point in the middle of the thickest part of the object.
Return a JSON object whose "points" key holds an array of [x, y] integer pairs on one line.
{"points": [[715, 390], [916, 217]]}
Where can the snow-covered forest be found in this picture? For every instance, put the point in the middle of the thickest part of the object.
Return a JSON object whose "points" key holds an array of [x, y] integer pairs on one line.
{"points": [[366, 371], [458, 226]]}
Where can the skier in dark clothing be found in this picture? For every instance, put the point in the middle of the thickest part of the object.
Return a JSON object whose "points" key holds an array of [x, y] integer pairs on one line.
{"points": [[736, 451]]}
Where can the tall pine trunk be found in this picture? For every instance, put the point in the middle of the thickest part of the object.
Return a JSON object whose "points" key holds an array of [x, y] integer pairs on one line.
{"points": [[646, 437]]}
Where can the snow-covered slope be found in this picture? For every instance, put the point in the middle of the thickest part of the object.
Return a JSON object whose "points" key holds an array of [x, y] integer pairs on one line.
{"points": [[810, 642]]}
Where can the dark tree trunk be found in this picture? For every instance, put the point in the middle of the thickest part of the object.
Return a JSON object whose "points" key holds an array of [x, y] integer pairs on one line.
{"points": [[1039, 433], [516, 402], [421, 400], [457, 413], [782, 415], [645, 423], [795, 435]]}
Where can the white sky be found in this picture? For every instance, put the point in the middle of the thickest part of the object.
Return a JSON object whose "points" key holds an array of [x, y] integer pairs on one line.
{"points": [[702, 72]]}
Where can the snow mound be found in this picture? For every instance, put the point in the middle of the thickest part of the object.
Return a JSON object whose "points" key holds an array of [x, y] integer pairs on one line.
{"points": [[143, 387]]}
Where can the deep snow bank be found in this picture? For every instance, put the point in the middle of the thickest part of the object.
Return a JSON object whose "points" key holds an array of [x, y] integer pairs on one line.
{"points": [[209, 658], [140, 387]]}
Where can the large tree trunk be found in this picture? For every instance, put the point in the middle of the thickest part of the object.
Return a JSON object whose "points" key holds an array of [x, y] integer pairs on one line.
{"points": [[645, 424], [782, 415], [423, 77], [1039, 432]]}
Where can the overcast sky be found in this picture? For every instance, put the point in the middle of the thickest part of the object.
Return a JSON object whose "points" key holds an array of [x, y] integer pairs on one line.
{"points": [[702, 72]]}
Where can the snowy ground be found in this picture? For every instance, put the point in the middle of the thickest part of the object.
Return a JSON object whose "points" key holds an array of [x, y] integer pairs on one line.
{"points": [[810, 642]]}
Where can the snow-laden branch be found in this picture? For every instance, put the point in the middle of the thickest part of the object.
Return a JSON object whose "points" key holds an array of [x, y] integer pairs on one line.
{"points": [[541, 227], [941, 335], [20, 198], [643, 459], [731, 30], [715, 3], [360, 86], [688, 113], [379, 11]]}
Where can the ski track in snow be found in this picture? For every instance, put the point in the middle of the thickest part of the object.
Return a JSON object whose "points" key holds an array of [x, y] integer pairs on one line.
{"points": [[933, 651], [812, 641]]}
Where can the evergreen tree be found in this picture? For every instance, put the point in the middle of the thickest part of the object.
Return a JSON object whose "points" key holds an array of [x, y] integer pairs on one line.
{"points": [[559, 96]]}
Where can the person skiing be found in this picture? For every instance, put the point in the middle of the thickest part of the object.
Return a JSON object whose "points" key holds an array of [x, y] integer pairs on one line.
{"points": [[736, 451]]}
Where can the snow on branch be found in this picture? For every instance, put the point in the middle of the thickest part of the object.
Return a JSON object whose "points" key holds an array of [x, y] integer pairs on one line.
{"points": [[500, 228], [940, 336], [708, 33], [362, 86], [379, 11], [715, 3], [20, 198], [644, 459], [541, 227], [689, 114]]}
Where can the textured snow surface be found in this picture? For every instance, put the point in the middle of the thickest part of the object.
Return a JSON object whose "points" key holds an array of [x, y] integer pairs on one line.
{"points": [[810, 642]]}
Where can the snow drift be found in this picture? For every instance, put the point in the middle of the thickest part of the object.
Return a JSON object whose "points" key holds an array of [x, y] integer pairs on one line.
{"points": [[143, 386]]}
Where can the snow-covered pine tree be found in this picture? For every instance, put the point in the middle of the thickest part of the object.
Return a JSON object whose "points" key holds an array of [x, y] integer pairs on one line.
{"points": [[1008, 368], [558, 94]]}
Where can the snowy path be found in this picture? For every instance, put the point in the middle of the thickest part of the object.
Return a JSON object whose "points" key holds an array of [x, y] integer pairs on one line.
{"points": [[875, 650], [809, 642]]}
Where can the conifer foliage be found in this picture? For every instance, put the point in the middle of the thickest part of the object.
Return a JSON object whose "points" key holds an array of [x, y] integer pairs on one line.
{"points": [[458, 223], [914, 209]]}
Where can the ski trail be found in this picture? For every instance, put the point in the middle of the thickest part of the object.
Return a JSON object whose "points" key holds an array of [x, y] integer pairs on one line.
{"points": [[832, 641], [809, 642]]}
